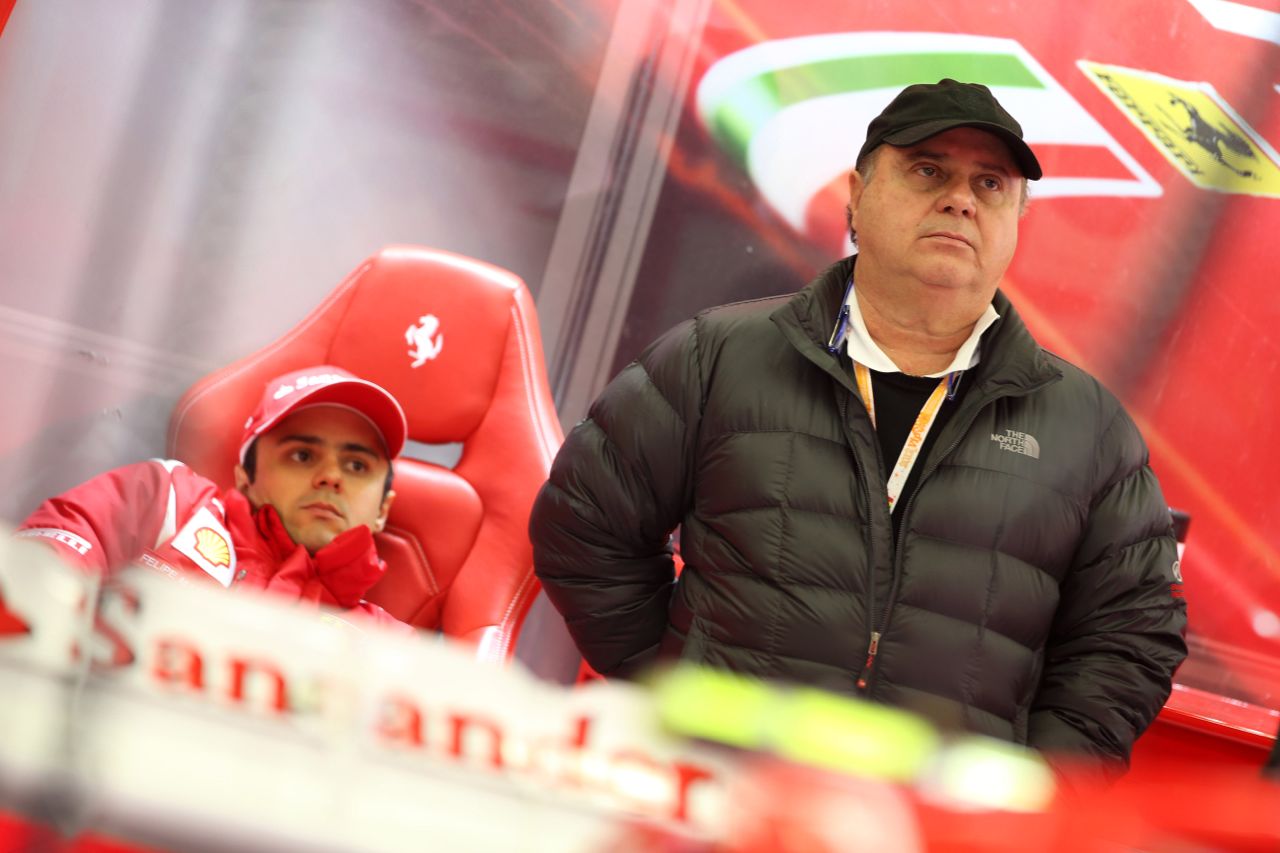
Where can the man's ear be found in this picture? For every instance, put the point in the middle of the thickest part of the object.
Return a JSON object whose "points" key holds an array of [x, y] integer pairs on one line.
{"points": [[242, 480], [381, 520], [855, 195]]}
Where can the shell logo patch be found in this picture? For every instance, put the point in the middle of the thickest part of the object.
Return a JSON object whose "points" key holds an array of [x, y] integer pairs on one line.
{"points": [[206, 543], [1194, 128], [213, 546]]}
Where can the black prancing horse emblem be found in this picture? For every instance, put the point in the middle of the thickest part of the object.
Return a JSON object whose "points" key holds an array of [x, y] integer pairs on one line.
{"points": [[1210, 138]]}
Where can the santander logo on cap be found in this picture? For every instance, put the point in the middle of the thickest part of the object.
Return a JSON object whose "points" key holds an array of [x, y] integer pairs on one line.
{"points": [[327, 385], [310, 381]]}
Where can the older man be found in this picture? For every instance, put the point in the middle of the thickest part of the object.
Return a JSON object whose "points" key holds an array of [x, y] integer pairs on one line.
{"points": [[885, 487], [312, 487]]}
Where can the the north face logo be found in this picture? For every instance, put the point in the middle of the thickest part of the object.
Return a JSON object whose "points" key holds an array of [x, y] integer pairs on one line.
{"points": [[1017, 442]]}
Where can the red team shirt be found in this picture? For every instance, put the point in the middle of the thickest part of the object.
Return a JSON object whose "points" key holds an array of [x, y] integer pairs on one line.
{"points": [[162, 515]]}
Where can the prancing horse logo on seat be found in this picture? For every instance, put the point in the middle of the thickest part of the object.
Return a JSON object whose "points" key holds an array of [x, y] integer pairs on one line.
{"points": [[424, 343]]}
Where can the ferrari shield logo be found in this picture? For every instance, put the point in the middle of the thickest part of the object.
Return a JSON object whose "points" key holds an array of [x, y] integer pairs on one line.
{"points": [[1194, 128]]}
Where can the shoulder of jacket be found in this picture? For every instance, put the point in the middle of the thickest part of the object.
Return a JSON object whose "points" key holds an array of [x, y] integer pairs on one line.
{"points": [[1079, 380], [185, 485], [759, 307], [1116, 435], [725, 320], [179, 474]]}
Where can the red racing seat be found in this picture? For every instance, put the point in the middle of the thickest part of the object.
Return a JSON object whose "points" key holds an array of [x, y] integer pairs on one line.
{"points": [[457, 342]]}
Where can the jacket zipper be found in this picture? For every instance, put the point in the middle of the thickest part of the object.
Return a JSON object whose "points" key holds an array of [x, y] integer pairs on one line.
{"points": [[864, 680], [866, 491], [865, 676], [873, 644]]}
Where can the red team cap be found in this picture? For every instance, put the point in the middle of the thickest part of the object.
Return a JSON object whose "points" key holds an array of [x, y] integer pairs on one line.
{"points": [[328, 386]]}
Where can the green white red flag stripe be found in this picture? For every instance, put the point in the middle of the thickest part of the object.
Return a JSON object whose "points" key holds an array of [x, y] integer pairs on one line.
{"points": [[794, 111]]}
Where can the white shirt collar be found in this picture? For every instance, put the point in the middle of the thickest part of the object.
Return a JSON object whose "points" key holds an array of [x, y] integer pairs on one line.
{"points": [[863, 350]]}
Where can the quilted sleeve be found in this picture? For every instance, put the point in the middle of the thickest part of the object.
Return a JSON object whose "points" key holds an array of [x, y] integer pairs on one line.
{"points": [[1119, 633], [620, 484]]}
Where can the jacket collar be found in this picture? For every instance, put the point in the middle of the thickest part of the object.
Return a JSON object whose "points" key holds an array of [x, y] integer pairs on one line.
{"points": [[1011, 359], [807, 318]]}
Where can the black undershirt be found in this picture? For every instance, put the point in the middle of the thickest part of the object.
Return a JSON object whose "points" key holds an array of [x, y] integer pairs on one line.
{"points": [[899, 399]]}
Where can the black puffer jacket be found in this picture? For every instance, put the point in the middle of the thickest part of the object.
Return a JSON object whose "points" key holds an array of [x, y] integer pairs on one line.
{"points": [[1029, 597]]}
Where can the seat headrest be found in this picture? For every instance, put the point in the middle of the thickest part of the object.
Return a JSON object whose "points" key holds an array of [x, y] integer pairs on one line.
{"points": [[432, 327]]}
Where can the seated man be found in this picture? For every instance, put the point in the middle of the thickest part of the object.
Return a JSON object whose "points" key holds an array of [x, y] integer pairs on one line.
{"points": [[312, 487]]}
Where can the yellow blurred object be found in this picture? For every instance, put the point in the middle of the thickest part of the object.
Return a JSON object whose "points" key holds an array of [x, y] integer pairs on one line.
{"points": [[803, 725], [716, 706]]}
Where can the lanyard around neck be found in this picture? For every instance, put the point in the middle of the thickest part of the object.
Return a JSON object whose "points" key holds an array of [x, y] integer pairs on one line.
{"points": [[946, 390], [915, 439]]}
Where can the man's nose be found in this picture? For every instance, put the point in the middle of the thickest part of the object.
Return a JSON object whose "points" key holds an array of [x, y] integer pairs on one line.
{"points": [[328, 474], [957, 197]]}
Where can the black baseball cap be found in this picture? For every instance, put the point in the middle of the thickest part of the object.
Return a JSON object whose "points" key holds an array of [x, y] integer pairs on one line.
{"points": [[927, 109]]}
